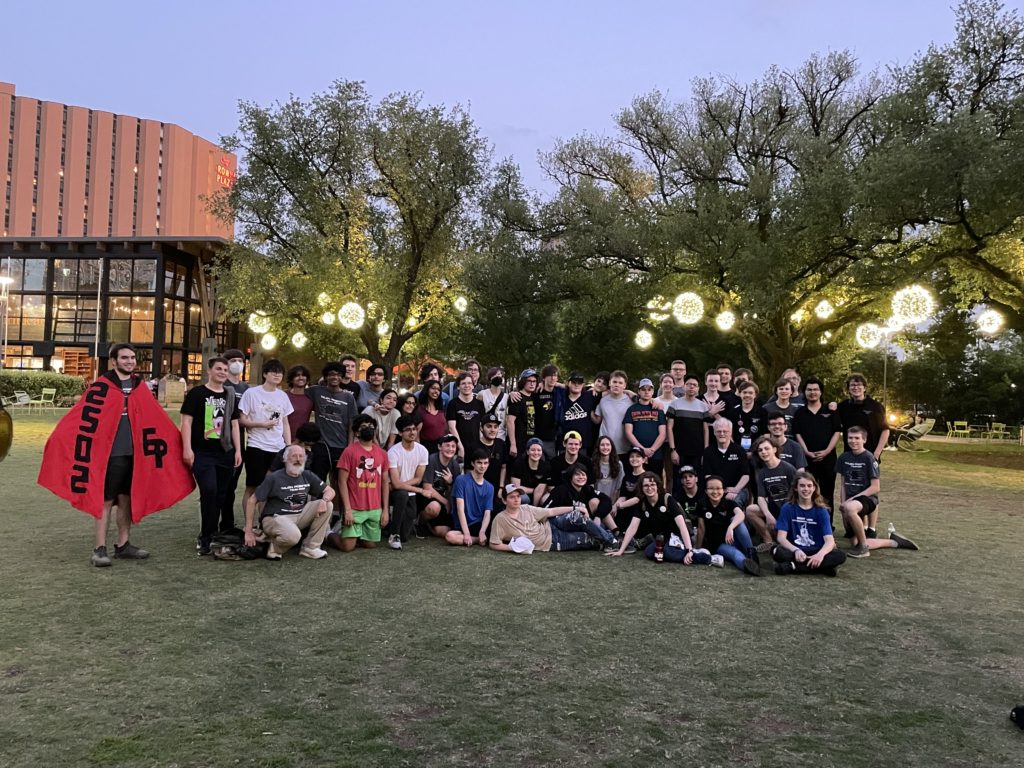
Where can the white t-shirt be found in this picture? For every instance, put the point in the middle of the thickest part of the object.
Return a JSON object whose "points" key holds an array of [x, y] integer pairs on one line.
{"points": [[488, 398], [260, 405], [407, 462], [385, 423]]}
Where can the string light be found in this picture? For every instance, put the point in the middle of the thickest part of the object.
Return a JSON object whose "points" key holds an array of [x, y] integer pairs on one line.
{"points": [[824, 309], [799, 316], [643, 339], [383, 328], [659, 309], [461, 304], [869, 335], [299, 340], [327, 318], [990, 321], [351, 316], [259, 322], [323, 300], [912, 305], [268, 342], [725, 320], [688, 308]]}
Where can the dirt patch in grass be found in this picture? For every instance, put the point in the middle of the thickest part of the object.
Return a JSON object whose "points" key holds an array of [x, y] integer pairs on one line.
{"points": [[1001, 460]]}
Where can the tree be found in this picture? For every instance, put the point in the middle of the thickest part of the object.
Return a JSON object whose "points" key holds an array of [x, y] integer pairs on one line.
{"points": [[341, 200], [807, 185]]}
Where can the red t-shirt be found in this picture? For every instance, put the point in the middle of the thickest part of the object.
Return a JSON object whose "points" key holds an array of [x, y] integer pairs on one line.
{"points": [[435, 425], [366, 470]]}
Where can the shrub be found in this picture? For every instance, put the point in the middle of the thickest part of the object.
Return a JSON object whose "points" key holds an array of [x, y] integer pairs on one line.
{"points": [[33, 382]]}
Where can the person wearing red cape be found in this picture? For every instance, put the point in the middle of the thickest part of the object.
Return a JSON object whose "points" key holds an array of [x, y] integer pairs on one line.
{"points": [[116, 447]]}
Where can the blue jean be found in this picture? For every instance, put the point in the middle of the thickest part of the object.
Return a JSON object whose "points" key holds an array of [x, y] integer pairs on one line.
{"points": [[672, 554], [569, 532], [736, 552]]}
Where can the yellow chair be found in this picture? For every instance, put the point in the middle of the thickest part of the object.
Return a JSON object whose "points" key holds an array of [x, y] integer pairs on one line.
{"points": [[959, 429], [47, 399], [998, 431]]}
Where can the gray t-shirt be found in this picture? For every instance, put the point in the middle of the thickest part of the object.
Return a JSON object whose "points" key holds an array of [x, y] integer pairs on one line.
{"points": [[123, 439], [334, 414], [774, 485], [287, 495], [612, 412], [366, 395], [858, 470], [431, 475]]}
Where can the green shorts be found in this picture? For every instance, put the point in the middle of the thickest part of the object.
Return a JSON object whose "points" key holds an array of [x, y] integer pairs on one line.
{"points": [[365, 526]]}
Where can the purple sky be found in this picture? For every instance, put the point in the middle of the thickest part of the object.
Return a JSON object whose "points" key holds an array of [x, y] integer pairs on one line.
{"points": [[529, 72]]}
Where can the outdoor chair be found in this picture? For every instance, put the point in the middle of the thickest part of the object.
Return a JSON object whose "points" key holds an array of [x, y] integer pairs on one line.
{"points": [[21, 398], [47, 399], [959, 429], [998, 431], [907, 439]]}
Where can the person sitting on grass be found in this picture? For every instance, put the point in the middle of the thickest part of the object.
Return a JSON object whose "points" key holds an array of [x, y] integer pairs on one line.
{"points": [[524, 528], [774, 481], [722, 531], [577, 492], [806, 543], [364, 488], [294, 500], [657, 524], [858, 480], [436, 503], [532, 471], [474, 502]]}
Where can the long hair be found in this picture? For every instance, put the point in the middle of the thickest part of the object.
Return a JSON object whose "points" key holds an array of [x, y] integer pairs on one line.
{"points": [[817, 499], [614, 465], [657, 480], [425, 397]]}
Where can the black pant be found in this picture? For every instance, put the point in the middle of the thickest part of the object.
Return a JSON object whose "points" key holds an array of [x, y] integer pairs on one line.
{"points": [[404, 511], [215, 477], [833, 559]]}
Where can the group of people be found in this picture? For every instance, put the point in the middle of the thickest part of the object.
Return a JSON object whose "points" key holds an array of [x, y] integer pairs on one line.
{"points": [[686, 471]]}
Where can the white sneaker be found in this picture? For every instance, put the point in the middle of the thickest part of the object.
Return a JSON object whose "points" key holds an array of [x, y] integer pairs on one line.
{"points": [[395, 541], [718, 561], [312, 554]]}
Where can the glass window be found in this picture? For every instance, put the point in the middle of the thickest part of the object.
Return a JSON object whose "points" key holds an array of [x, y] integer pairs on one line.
{"points": [[13, 268], [33, 318], [65, 275], [144, 279], [119, 319], [120, 275], [35, 274], [174, 279], [142, 320], [89, 274]]}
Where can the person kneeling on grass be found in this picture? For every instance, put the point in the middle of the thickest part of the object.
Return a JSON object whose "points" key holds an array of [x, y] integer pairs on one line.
{"points": [[294, 499], [364, 488], [524, 528], [858, 479], [474, 502], [806, 543], [721, 530], [657, 523]]}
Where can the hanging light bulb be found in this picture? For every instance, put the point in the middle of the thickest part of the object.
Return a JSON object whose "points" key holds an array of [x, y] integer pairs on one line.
{"points": [[461, 304], [259, 322], [688, 308], [725, 320], [990, 321], [869, 335], [824, 309], [268, 342], [912, 305], [643, 339], [323, 300], [383, 328], [327, 318], [658, 309], [299, 340], [351, 316]]}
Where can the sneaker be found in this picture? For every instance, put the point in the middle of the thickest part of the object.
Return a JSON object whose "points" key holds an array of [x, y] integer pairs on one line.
{"points": [[764, 546], [422, 530], [631, 547], [394, 541], [902, 542], [751, 554], [860, 551], [203, 546], [272, 554], [752, 567], [718, 561], [830, 571], [100, 558], [613, 545], [785, 569], [871, 533], [130, 552], [312, 554]]}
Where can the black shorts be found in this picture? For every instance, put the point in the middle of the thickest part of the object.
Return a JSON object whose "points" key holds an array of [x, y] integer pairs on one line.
{"points": [[867, 504], [118, 481], [257, 463], [335, 453]]}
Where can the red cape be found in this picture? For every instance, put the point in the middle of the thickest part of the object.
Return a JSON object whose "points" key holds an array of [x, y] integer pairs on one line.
{"points": [[77, 452]]}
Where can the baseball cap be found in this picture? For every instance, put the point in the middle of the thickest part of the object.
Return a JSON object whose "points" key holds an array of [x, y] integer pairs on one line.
{"points": [[638, 451], [449, 438], [687, 469], [491, 418], [645, 383], [513, 488], [572, 433], [534, 441], [527, 373], [576, 376]]}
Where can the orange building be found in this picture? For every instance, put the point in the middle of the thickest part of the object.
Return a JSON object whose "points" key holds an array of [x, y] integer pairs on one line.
{"points": [[74, 172]]}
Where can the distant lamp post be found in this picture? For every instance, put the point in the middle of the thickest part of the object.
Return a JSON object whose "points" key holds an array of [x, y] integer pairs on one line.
{"points": [[688, 308], [643, 339], [990, 322]]}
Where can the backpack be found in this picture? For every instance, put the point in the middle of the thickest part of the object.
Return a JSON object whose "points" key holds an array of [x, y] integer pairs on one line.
{"points": [[231, 546]]}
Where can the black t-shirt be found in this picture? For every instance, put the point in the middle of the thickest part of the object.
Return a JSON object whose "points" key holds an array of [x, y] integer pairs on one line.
{"points": [[207, 409], [576, 418], [747, 426], [630, 485], [690, 504], [716, 522], [816, 429], [467, 418], [868, 413], [566, 495], [318, 460], [656, 519], [496, 451], [123, 437], [559, 468], [547, 427], [531, 478], [773, 408], [774, 485], [525, 412], [731, 465]]}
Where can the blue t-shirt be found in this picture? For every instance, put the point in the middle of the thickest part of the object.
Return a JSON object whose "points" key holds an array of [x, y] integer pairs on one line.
{"points": [[477, 498], [805, 528], [646, 420]]}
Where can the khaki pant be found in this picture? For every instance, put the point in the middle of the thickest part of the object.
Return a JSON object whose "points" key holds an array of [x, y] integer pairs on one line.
{"points": [[285, 531]]}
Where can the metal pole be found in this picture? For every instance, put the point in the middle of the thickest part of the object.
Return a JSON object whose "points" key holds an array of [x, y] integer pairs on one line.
{"points": [[885, 374], [5, 296], [99, 288]]}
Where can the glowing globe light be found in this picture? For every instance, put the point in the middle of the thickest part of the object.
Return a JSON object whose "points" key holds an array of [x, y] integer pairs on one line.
{"points": [[912, 305], [824, 309], [259, 322], [327, 318], [411, 322], [643, 339], [351, 316], [269, 341], [990, 321], [323, 300], [688, 308], [383, 328], [461, 304], [869, 335], [725, 320], [659, 309], [299, 340], [799, 316]]}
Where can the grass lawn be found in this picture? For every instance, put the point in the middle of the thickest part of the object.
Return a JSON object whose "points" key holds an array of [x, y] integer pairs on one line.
{"points": [[437, 656]]}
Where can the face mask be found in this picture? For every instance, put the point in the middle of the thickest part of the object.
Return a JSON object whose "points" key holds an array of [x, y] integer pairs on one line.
{"points": [[497, 381], [365, 434], [235, 367]]}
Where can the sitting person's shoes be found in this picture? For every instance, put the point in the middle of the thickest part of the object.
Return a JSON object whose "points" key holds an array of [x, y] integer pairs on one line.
{"points": [[130, 552], [902, 542], [312, 554]]}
